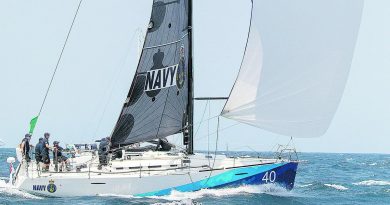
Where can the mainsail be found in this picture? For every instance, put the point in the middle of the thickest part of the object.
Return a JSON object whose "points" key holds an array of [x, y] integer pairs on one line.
{"points": [[157, 103], [296, 65]]}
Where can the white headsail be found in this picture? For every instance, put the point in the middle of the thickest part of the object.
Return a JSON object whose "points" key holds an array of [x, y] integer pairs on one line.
{"points": [[296, 65]]}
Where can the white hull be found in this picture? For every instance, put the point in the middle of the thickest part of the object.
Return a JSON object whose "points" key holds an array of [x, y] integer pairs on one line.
{"points": [[159, 174]]}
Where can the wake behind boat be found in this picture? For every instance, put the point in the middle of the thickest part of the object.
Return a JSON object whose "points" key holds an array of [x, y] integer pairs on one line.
{"points": [[290, 82]]}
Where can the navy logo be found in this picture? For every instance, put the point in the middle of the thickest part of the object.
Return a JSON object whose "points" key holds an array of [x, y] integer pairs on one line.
{"points": [[51, 187]]}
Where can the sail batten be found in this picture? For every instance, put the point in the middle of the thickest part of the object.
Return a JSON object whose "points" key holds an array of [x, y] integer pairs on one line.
{"points": [[156, 105], [296, 65]]}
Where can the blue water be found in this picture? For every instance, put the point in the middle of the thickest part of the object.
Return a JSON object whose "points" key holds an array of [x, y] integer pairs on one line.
{"points": [[321, 179]]}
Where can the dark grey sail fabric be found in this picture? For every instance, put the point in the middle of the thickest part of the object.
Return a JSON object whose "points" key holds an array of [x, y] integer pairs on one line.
{"points": [[156, 105]]}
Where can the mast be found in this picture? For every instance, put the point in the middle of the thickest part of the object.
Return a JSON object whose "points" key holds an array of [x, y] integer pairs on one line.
{"points": [[190, 149]]}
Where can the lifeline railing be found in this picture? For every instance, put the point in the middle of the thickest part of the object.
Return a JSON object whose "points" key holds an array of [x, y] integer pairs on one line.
{"points": [[142, 170], [37, 172], [36, 167], [286, 152]]}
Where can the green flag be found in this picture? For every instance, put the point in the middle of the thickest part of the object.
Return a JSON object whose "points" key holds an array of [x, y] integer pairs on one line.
{"points": [[33, 122]]}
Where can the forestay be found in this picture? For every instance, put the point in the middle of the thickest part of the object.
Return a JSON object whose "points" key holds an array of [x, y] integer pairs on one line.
{"points": [[156, 105], [296, 65]]}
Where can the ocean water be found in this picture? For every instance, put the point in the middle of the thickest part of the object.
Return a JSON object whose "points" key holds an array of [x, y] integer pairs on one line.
{"points": [[321, 179]]}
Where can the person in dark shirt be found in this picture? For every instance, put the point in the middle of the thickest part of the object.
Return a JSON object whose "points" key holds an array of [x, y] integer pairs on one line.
{"points": [[162, 144], [45, 151], [58, 156], [38, 148], [25, 147], [104, 147]]}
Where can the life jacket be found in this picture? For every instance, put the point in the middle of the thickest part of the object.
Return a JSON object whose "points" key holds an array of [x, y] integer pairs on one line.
{"points": [[38, 148]]}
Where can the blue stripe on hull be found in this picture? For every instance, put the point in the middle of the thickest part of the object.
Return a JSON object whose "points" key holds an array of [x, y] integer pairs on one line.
{"points": [[282, 174]]}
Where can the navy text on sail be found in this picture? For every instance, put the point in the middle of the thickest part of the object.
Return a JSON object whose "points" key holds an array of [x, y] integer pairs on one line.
{"points": [[161, 78]]}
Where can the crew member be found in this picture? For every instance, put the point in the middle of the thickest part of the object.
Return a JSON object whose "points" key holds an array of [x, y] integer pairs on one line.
{"points": [[45, 151], [58, 156], [104, 147], [162, 144], [25, 147], [38, 148]]}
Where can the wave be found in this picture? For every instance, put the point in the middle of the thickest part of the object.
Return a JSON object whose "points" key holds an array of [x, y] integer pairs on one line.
{"points": [[182, 202], [304, 185], [177, 197], [119, 196], [336, 186], [270, 189], [186, 201], [372, 183], [9, 190]]}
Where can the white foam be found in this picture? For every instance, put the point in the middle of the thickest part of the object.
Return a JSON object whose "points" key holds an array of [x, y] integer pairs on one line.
{"points": [[10, 190], [182, 202], [373, 183], [270, 189], [336, 186], [119, 196], [304, 185], [373, 164]]}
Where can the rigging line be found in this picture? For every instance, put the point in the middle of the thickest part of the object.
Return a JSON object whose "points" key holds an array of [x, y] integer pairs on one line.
{"points": [[208, 136], [114, 81], [293, 143], [258, 153], [210, 118], [222, 129], [215, 152], [204, 111], [132, 87], [60, 57]]}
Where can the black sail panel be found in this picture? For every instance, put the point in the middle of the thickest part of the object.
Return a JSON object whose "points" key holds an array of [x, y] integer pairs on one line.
{"points": [[157, 102]]}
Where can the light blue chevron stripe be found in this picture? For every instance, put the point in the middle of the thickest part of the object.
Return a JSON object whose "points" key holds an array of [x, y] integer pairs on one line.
{"points": [[218, 180]]}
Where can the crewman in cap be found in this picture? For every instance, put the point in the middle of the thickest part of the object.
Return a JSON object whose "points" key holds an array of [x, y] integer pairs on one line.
{"points": [[38, 148], [58, 156], [25, 147], [45, 151], [104, 147]]}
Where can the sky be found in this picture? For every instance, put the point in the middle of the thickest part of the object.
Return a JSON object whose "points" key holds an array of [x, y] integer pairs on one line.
{"points": [[101, 56]]}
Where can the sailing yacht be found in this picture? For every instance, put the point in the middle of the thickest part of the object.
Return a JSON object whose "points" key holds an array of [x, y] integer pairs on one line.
{"points": [[291, 80]]}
